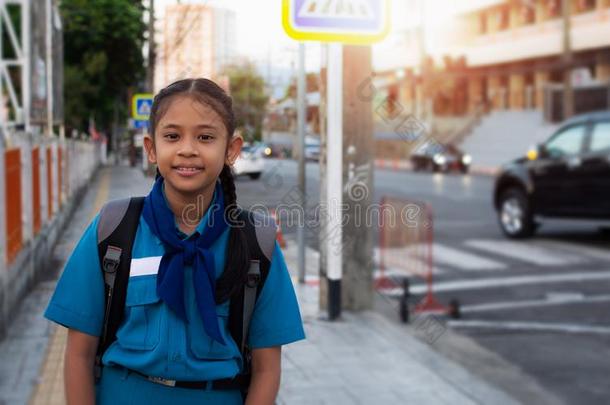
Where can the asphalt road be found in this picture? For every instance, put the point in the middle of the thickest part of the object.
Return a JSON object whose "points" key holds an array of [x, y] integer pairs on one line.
{"points": [[536, 311]]}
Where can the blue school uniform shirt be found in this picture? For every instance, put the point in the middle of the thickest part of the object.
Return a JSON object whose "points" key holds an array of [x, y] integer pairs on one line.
{"points": [[152, 339]]}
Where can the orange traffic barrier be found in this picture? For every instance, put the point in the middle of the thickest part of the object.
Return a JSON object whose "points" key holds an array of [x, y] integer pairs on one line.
{"points": [[12, 173], [49, 183], [37, 220]]}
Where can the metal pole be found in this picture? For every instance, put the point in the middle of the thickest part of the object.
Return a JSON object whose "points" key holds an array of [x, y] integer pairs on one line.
{"points": [[150, 71], [301, 115], [568, 91], [334, 183], [26, 60], [422, 108], [49, 49], [3, 109]]}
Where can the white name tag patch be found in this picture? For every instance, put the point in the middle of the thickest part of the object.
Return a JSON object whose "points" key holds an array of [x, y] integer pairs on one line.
{"points": [[145, 266]]}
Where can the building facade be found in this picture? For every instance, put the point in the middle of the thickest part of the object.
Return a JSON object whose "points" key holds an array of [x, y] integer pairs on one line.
{"points": [[508, 54], [195, 40]]}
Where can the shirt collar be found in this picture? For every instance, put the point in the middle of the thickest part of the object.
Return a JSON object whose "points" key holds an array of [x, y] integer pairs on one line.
{"points": [[202, 223]]}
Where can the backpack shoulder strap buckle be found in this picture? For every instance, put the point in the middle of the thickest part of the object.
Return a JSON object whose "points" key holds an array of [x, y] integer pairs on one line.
{"points": [[112, 259], [254, 274]]}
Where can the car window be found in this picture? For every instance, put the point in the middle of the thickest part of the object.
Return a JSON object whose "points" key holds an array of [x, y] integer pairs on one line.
{"points": [[600, 137], [566, 142]]}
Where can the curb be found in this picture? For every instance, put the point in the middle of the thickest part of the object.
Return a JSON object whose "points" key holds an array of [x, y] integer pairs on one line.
{"points": [[405, 165]]}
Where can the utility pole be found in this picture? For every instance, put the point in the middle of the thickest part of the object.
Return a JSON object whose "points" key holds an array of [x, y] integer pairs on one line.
{"points": [[150, 71], [568, 91], [301, 118], [347, 237], [49, 58], [358, 158], [333, 236]]}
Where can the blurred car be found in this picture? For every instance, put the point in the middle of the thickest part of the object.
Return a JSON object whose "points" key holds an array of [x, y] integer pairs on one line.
{"points": [[438, 158], [567, 176], [250, 161], [312, 151], [266, 149]]}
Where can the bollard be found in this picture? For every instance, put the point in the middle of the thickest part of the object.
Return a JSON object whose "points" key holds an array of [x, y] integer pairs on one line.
{"points": [[404, 301]]}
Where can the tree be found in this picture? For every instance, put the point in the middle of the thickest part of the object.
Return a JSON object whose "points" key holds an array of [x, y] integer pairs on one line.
{"points": [[311, 84], [249, 99], [103, 58]]}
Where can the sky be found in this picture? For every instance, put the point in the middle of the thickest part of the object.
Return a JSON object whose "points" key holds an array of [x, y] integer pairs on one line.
{"points": [[261, 38], [259, 29]]}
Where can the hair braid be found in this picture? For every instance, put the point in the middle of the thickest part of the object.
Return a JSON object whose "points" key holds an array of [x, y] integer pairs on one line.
{"points": [[236, 268]]}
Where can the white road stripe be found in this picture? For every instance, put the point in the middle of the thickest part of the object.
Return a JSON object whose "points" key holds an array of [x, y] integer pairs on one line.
{"points": [[463, 260], [497, 282], [526, 252], [531, 326], [405, 260], [496, 306], [589, 251]]}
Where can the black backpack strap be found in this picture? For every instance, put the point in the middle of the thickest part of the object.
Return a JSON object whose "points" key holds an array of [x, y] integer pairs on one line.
{"points": [[116, 232], [260, 233]]}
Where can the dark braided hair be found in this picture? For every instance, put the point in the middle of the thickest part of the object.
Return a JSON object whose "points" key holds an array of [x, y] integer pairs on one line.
{"points": [[209, 93]]}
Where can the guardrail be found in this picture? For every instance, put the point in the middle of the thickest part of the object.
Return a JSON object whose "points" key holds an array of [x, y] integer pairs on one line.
{"points": [[40, 181]]}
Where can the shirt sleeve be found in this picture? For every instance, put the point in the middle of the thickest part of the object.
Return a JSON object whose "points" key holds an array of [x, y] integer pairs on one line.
{"points": [[78, 300], [276, 319]]}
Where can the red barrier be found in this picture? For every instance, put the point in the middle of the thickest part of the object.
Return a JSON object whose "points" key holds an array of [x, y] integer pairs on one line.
{"points": [[37, 220], [49, 183], [59, 176], [405, 247], [14, 226]]}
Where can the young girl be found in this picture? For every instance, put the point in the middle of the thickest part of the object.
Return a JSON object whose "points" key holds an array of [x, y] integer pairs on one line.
{"points": [[174, 334]]}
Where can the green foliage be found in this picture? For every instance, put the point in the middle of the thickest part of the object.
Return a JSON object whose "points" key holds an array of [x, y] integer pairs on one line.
{"points": [[14, 14], [311, 85], [249, 99], [103, 57]]}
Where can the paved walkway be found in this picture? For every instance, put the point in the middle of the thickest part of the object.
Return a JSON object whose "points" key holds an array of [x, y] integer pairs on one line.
{"points": [[362, 359], [366, 359]]}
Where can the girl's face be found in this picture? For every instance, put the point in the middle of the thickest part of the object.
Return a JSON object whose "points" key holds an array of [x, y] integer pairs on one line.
{"points": [[190, 147]]}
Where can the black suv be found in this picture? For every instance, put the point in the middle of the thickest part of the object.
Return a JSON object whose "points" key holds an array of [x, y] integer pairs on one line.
{"points": [[568, 176]]}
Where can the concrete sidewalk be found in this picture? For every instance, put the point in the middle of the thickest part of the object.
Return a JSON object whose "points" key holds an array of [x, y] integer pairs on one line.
{"points": [[362, 359], [366, 359]]}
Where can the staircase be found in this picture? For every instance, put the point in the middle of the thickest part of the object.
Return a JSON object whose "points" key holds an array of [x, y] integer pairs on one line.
{"points": [[505, 135]]}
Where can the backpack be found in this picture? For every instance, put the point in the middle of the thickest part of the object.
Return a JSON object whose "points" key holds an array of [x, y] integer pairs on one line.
{"points": [[116, 231]]}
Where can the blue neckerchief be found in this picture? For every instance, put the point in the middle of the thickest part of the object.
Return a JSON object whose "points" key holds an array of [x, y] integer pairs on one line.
{"points": [[191, 251]]}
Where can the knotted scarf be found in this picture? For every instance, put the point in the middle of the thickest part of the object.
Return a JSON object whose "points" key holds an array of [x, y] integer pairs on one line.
{"points": [[194, 251]]}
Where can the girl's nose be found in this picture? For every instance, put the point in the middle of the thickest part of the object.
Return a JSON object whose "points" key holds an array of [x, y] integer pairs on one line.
{"points": [[187, 147]]}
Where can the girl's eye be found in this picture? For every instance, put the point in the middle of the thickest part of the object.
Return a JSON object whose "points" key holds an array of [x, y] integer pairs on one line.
{"points": [[171, 136], [206, 137]]}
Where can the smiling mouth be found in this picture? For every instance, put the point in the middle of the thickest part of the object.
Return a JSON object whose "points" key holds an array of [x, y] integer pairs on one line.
{"points": [[187, 170]]}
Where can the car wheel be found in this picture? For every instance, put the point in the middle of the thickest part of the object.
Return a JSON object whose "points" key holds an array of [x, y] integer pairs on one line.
{"points": [[514, 214], [255, 176]]}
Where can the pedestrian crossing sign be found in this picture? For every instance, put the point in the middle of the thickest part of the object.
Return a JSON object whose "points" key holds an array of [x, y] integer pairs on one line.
{"points": [[358, 22], [141, 105]]}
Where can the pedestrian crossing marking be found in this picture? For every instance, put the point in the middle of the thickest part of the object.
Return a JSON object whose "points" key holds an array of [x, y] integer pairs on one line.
{"points": [[539, 253], [464, 260], [357, 22], [352, 9], [141, 105], [404, 261], [588, 251], [144, 108], [526, 252]]}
